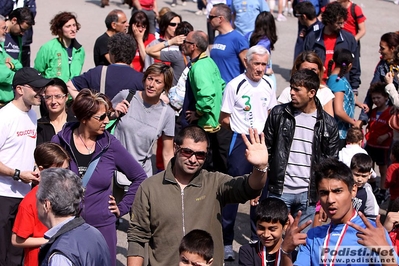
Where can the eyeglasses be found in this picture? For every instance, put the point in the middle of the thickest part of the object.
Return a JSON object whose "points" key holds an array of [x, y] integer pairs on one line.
{"points": [[101, 117], [184, 41], [56, 97], [210, 17], [141, 26], [22, 29], [173, 24], [186, 152]]}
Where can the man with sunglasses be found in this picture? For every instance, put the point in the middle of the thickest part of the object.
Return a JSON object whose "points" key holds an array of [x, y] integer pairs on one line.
{"points": [[17, 141], [186, 197], [19, 21]]}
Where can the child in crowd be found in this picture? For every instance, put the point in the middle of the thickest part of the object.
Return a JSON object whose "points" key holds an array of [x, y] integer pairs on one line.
{"points": [[379, 134], [345, 101], [196, 248], [364, 201], [271, 222], [392, 180], [354, 139], [350, 233], [28, 231]]}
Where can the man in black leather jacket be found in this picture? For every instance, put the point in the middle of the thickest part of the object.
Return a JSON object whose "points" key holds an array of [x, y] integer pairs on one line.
{"points": [[299, 135]]}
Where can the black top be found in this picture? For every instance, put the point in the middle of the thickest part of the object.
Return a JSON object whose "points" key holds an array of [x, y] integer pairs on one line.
{"points": [[45, 130], [100, 50], [83, 160]]}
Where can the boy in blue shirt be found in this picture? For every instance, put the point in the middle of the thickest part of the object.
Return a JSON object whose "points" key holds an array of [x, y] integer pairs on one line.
{"points": [[350, 238]]}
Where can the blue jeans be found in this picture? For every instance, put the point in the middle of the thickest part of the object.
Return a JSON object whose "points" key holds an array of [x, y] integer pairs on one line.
{"points": [[295, 203]]}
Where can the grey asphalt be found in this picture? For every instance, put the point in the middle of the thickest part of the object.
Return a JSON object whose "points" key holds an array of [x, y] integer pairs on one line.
{"points": [[381, 18]]}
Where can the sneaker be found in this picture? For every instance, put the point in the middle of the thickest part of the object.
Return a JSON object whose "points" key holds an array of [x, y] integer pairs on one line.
{"points": [[206, 12], [285, 12], [199, 13], [195, 1], [281, 18], [173, 5], [184, 3], [228, 253]]}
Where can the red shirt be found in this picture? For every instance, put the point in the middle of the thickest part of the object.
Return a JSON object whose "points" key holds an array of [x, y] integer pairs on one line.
{"points": [[27, 224], [329, 43], [378, 127], [137, 63], [350, 24], [392, 180]]}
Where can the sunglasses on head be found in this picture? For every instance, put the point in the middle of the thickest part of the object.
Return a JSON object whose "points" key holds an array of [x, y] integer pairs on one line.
{"points": [[186, 152], [173, 24]]}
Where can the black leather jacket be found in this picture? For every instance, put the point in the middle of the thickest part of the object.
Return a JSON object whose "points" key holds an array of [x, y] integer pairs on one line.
{"points": [[279, 132]]}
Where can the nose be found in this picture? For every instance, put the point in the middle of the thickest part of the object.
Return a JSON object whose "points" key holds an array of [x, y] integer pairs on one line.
{"points": [[53, 99]]}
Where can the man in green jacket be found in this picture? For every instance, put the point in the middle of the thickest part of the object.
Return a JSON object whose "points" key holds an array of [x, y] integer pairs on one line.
{"points": [[8, 66], [185, 197]]}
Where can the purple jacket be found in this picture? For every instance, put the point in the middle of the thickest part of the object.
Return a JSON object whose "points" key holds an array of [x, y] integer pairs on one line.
{"points": [[113, 157]]}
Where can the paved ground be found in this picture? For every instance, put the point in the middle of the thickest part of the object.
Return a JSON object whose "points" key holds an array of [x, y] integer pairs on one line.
{"points": [[381, 18]]}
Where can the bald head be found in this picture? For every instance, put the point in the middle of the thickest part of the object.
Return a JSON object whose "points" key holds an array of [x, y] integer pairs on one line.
{"points": [[200, 38]]}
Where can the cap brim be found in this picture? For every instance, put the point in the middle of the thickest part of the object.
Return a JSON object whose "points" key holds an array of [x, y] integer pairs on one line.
{"points": [[40, 83]]}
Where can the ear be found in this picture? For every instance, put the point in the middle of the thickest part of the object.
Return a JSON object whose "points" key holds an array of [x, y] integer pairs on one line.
{"points": [[174, 148], [245, 62], [286, 225], [41, 168], [354, 191], [210, 262], [47, 206], [19, 90], [14, 20], [312, 93], [113, 25]]}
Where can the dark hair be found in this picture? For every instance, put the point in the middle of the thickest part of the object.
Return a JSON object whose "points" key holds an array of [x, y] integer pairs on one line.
{"points": [[333, 12], [50, 154], [305, 78], [59, 21], [139, 17], [200, 39], [378, 87], [87, 103], [184, 28], [391, 39], [122, 47], [395, 150], [161, 68], [198, 242], [354, 135], [59, 83], [342, 58], [264, 27], [164, 22], [331, 168], [112, 17], [193, 132], [362, 162], [223, 10], [272, 210], [305, 8], [22, 15], [310, 57]]}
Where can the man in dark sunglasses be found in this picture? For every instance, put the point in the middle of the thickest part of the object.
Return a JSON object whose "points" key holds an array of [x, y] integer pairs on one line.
{"points": [[186, 197]]}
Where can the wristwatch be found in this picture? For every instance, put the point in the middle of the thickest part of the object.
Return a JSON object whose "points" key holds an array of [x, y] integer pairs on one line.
{"points": [[16, 175]]}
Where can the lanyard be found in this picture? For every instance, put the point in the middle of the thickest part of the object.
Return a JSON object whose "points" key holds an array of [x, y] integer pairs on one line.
{"points": [[263, 256], [327, 240]]}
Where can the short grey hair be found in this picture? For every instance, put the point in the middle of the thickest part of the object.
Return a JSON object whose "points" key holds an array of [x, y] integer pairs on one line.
{"points": [[2, 18], [257, 49], [63, 189]]}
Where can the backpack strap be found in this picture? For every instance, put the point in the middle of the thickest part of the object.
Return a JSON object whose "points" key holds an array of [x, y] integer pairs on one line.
{"points": [[103, 79], [353, 13]]}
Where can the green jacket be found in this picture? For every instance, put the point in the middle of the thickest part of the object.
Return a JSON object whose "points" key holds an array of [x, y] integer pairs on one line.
{"points": [[52, 60], [162, 213], [207, 85], [6, 76]]}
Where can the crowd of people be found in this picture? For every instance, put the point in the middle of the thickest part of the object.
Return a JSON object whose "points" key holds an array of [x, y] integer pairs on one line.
{"points": [[205, 109]]}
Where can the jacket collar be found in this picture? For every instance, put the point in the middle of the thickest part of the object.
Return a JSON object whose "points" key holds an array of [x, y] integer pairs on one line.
{"points": [[319, 38]]}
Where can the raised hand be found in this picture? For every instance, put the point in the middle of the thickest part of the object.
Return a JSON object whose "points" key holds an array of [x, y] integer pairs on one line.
{"points": [[256, 152], [293, 235]]}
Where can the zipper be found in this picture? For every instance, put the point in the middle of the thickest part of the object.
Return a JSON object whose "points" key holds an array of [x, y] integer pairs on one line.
{"points": [[182, 210]]}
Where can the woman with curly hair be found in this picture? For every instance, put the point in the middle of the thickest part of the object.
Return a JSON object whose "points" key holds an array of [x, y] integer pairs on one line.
{"points": [[62, 57]]}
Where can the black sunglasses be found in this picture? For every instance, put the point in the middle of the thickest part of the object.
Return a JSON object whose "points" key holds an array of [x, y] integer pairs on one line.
{"points": [[173, 24], [184, 41], [101, 117], [186, 152], [212, 17]]}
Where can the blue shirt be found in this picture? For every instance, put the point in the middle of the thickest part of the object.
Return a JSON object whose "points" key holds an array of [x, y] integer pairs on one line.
{"points": [[246, 12]]}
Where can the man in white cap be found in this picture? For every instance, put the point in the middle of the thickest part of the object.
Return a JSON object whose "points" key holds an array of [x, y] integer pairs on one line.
{"points": [[17, 143]]}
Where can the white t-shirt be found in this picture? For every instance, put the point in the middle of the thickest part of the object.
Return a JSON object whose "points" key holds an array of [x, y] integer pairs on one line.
{"points": [[324, 94], [17, 143], [345, 155], [248, 103]]}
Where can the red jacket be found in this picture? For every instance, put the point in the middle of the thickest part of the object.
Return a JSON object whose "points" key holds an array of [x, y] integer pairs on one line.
{"points": [[379, 127]]}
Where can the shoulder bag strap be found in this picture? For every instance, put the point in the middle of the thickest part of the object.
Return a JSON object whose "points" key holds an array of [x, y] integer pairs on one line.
{"points": [[103, 79], [156, 136], [90, 171]]}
